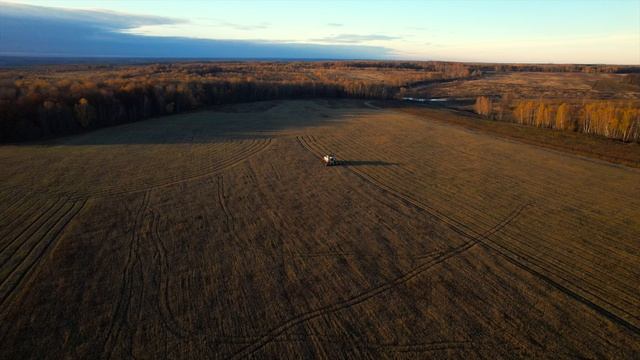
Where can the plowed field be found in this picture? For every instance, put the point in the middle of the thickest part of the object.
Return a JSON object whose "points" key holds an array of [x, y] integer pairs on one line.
{"points": [[220, 234]]}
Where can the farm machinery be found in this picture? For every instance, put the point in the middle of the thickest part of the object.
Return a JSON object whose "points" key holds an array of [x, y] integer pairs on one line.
{"points": [[330, 160]]}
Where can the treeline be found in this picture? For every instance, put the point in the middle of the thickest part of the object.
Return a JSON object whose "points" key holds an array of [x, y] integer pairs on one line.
{"points": [[457, 69], [446, 70], [573, 68], [45, 111], [613, 119]]}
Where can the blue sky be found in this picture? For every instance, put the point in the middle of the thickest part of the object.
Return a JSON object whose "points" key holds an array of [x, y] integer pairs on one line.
{"points": [[492, 31]]}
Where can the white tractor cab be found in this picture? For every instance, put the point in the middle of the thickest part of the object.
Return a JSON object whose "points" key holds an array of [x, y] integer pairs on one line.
{"points": [[330, 160]]}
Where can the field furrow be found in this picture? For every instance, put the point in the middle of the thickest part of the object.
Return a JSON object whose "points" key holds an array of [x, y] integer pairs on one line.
{"points": [[26, 257]]}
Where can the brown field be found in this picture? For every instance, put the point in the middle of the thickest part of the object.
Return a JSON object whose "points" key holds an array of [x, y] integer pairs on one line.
{"points": [[220, 234], [535, 85]]}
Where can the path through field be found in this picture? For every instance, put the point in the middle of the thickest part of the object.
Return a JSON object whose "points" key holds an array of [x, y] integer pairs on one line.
{"points": [[220, 234]]}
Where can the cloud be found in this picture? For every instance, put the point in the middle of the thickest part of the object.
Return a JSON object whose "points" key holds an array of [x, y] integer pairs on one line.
{"points": [[354, 38], [217, 22], [260, 26], [335, 24], [41, 31], [102, 19]]}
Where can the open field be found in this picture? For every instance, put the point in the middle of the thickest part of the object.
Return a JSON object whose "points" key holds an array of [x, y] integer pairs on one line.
{"points": [[220, 234], [549, 85]]}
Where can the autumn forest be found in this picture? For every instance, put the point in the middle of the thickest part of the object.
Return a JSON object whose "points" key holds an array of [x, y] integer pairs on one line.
{"points": [[47, 101]]}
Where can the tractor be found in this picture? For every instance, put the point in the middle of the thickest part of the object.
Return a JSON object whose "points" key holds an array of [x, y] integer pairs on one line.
{"points": [[330, 160]]}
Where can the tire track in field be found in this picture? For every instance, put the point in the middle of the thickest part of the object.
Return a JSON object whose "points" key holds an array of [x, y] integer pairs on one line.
{"points": [[42, 222], [228, 219], [121, 313], [509, 255], [538, 271], [27, 231], [229, 222], [164, 304], [19, 207], [44, 239], [377, 290], [596, 286]]}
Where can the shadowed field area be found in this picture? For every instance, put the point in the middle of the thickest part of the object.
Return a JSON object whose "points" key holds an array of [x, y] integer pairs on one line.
{"points": [[221, 234]]}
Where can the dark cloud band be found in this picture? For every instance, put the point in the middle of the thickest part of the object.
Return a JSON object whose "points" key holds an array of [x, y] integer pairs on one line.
{"points": [[42, 31]]}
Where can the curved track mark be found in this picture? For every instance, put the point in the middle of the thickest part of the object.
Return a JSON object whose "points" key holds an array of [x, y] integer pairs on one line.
{"points": [[224, 164], [34, 258], [121, 312], [164, 304], [35, 225]]}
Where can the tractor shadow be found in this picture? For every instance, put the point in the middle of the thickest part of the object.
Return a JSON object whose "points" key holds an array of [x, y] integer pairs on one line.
{"points": [[365, 163]]}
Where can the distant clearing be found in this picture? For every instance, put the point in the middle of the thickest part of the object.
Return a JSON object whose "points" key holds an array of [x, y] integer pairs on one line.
{"points": [[535, 85]]}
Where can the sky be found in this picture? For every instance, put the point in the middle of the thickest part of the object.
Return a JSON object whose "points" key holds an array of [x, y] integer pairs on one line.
{"points": [[484, 31]]}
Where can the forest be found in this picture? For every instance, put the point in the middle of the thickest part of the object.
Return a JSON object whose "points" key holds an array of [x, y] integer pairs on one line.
{"points": [[47, 101], [616, 119]]}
